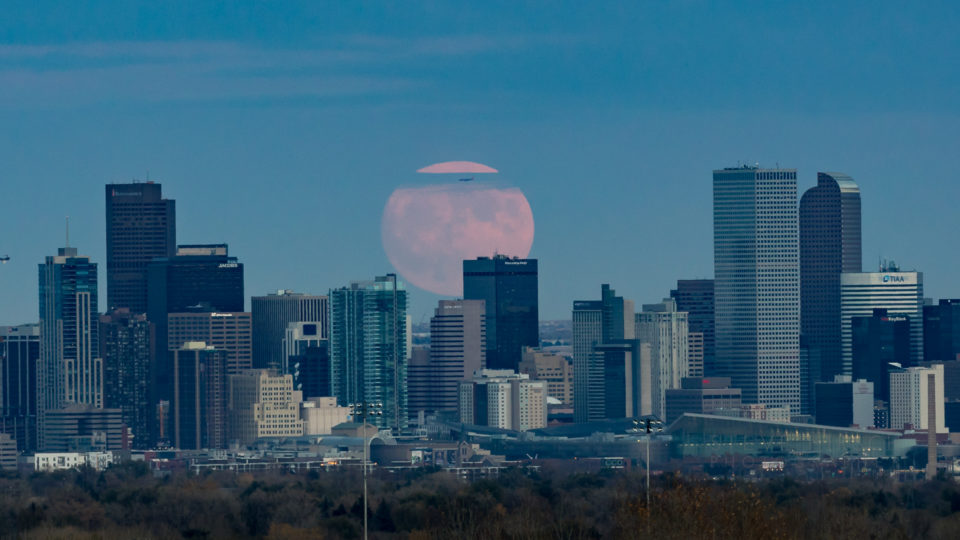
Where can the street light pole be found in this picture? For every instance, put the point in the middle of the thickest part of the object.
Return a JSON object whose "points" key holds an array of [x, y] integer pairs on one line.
{"points": [[365, 503]]}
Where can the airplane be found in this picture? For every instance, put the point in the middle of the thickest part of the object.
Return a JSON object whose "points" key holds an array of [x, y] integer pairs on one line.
{"points": [[4, 259], [466, 179]]}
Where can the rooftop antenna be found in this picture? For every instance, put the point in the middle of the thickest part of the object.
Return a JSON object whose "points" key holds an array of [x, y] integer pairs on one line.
{"points": [[68, 231]]}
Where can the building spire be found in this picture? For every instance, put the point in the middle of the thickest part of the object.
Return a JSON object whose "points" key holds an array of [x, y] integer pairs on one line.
{"points": [[68, 231]]}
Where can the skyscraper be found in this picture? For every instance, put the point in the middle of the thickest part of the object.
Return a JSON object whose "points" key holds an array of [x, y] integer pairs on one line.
{"points": [[877, 342], [199, 278], [307, 357], [757, 284], [695, 296], [457, 349], [369, 347], [227, 332], [141, 225], [199, 396], [665, 329], [596, 322], [271, 315], [829, 246], [69, 370], [941, 331], [126, 344], [509, 287], [899, 293], [19, 353]]}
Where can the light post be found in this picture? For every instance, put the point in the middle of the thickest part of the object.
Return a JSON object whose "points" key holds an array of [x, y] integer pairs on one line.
{"points": [[377, 410], [650, 426]]}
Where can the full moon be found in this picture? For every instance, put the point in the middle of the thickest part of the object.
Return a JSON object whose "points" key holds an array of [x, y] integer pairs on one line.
{"points": [[428, 231]]}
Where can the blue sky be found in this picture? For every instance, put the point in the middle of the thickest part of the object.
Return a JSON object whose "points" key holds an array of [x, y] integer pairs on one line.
{"points": [[282, 128]]}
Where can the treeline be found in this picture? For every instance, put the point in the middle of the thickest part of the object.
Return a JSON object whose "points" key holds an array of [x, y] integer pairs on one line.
{"points": [[129, 502]]}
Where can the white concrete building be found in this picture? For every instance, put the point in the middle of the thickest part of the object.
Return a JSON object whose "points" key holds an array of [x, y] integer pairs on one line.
{"points": [[262, 405], [503, 399], [665, 329], [909, 397], [320, 414], [50, 461]]}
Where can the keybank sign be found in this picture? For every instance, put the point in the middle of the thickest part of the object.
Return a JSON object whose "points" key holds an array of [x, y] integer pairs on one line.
{"points": [[893, 279]]}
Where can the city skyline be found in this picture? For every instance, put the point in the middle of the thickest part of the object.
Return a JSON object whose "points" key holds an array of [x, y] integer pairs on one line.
{"points": [[265, 121]]}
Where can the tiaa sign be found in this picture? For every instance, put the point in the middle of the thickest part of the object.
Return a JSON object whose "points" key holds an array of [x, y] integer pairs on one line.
{"points": [[893, 279]]}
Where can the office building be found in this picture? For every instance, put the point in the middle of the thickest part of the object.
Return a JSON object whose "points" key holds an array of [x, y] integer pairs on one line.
{"points": [[306, 356], [553, 369], [199, 396], [457, 350], [829, 246], [628, 374], [509, 288], [19, 354], [69, 369], [271, 316], [845, 402], [910, 399], [83, 428], [262, 405], [141, 226], [695, 297], [665, 329], [369, 347], [757, 283], [899, 293], [503, 399], [127, 347], [596, 322], [419, 380], [320, 414], [8, 452], [228, 332], [199, 278], [701, 396], [880, 344], [941, 331], [694, 354]]}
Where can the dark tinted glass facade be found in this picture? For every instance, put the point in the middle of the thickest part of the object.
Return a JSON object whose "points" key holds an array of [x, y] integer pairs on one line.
{"points": [[834, 404], [187, 283], [878, 341], [127, 348], [199, 405], [829, 245], [19, 352], [941, 331], [695, 296], [509, 287], [141, 225], [311, 370]]}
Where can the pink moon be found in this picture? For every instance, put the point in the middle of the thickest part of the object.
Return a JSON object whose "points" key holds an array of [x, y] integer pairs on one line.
{"points": [[428, 232]]}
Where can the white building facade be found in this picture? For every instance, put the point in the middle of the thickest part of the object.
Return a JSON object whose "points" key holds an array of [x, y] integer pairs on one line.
{"points": [[665, 329], [910, 397]]}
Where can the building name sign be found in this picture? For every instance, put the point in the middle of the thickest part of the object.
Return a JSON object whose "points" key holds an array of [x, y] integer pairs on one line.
{"points": [[227, 265], [893, 279]]}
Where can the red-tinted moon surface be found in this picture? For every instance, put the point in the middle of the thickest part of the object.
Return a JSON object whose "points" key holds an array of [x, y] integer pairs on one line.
{"points": [[427, 232]]}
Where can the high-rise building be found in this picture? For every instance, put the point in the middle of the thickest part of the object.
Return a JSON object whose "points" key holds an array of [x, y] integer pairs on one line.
{"points": [[419, 380], [665, 329], [553, 369], [369, 347], [271, 316], [845, 402], [941, 331], [909, 397], [457, 350], [695, 296], [19, 354], [141, 225], [695, 354], [880, 344], [126, 344], [228, 332], [69, 370], [306, 356], [199, 396], [757, 283], [627, 378], [199, 278], [596, 322], [509, 288], [262, 405], [503, 399], [829, 246], [899, 293]]}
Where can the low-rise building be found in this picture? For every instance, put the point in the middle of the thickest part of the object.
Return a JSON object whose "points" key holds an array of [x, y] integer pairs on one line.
{"points": [[503, 399], [845, 403], [8, 452], [263, 405], [320, 414], [58, 461], [701, 395]]}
